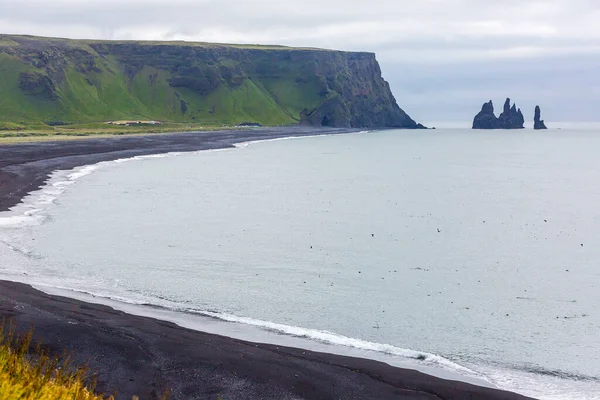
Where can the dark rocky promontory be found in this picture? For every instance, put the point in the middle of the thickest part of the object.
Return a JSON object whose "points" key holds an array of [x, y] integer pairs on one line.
{"points": [[538, 122], [511, 117]]}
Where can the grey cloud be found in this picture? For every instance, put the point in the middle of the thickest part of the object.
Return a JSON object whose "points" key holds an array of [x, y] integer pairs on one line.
{"points": [[568, 89], [428, 18]]}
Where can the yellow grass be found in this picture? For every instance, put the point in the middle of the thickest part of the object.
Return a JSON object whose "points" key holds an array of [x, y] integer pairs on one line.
{"points": [[38, 377], [84, 132]]}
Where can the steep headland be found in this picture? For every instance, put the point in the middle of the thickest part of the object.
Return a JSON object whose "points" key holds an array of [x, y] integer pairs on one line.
{"points": [[52, 82], [538, 122], [510, 118]]}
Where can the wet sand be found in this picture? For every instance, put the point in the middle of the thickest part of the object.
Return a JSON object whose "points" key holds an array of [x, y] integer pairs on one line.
{"points": [[145, 356]]}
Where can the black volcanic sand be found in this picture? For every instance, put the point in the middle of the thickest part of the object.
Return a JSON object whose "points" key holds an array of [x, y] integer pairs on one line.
{"points": [[146, 357]]}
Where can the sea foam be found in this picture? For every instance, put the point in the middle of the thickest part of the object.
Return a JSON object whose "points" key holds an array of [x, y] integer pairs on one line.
{"points": [[242, 145], [433, 361], [340, 340], [29, 212]]}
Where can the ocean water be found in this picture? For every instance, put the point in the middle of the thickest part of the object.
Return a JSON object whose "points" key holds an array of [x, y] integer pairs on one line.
{"points": [[476, 253]]}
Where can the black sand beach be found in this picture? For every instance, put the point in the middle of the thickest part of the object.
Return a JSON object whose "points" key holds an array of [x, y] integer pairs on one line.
{"points": [[143, 356], [146, 357]]}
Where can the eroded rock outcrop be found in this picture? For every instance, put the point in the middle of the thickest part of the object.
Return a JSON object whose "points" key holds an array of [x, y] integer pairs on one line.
{"points": [[510, 118], [486, 119], [538, 122]]}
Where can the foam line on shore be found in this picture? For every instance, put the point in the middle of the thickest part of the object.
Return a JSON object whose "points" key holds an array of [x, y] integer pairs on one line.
{"points": [[245, 144], [28, 212], [185, 316], [103, 333], [341, 340]]}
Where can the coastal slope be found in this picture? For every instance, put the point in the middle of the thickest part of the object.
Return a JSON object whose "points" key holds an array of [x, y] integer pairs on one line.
{"points": [[51, 82]]}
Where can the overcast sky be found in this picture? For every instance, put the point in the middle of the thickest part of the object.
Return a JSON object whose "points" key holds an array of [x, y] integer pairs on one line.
{"points": [[443, 58]]}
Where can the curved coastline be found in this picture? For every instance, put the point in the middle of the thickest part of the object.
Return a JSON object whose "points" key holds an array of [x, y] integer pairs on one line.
{"points": [[262, 371], [25, 167]]}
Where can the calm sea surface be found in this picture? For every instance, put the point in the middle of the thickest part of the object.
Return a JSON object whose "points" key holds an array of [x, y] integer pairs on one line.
{"points": [[479, 250]]}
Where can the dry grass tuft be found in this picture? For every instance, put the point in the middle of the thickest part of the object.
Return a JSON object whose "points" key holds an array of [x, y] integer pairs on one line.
{"points": [[35, 375]]}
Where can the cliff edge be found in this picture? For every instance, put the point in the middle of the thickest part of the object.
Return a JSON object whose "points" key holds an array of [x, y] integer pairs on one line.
{"points": [[60, 81]]}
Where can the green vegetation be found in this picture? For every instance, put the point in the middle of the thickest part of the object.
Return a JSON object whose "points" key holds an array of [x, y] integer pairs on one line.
{"points": [[27, 376], [49, 85]]}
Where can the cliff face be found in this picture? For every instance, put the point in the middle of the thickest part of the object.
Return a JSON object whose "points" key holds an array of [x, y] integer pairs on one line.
{"points": [[510, 118], [60, 81]]}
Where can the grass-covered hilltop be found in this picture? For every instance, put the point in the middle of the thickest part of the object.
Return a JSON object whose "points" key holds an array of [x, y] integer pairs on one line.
{"points": [[47, 83]]}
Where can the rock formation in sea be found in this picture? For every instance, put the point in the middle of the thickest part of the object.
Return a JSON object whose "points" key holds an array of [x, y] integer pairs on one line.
{"points": [[486, 119], [538, 122], [510, 118]]}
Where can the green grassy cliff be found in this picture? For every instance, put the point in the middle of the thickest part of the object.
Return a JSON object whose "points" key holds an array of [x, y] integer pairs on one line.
{"points": [[49, 82]]}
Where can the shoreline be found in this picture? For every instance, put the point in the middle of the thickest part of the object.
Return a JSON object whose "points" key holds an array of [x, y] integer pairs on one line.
{"points": [[25, 168], [257, 331], [145, 357]]}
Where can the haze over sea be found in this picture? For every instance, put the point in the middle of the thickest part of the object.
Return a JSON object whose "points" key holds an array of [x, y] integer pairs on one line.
{"points": [[476, 250]]}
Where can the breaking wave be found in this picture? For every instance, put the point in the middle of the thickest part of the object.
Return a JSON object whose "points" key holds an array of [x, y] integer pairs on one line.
{"points": [[340, 340], [315, 335]]}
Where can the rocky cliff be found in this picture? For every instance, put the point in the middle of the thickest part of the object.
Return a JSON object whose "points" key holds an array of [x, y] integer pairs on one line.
{"points": [[538, 122], [510, 118], [57, 81]]}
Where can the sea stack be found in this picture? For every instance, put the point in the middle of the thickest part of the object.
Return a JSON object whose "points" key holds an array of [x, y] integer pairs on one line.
{"points": [[538, 122], [486, 119], [511, 117]]}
